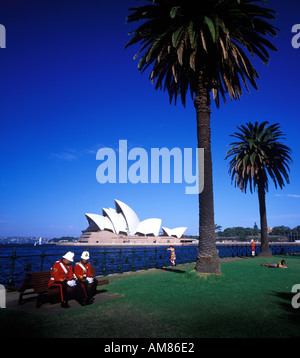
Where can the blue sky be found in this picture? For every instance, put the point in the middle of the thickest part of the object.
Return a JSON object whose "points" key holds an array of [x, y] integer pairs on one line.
{"points": [[68, 88]]}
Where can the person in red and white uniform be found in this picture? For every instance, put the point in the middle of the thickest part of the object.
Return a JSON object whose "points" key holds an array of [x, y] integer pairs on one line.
{"points": [[253, 247], [83, 273], [62, 276]]}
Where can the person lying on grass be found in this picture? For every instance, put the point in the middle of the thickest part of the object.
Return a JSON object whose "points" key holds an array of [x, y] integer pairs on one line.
{"points": [[280, 264]]}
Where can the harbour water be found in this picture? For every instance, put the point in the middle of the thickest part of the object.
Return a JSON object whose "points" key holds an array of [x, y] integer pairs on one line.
{"points": [[16, 260]]}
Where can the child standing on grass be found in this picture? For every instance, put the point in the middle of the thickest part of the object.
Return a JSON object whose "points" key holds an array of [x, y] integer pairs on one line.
{"points": [[173, 255]]}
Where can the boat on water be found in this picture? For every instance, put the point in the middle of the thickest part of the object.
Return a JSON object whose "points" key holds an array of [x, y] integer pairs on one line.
{"points": [[38, 243]]}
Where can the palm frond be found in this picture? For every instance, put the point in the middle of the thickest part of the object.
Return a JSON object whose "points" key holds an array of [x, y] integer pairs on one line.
{"points": [[182, 38], [257, 154]]}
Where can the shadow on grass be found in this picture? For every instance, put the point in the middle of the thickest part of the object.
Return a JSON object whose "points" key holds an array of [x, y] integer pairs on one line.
{"points": [[171, 269], [292, 314]]}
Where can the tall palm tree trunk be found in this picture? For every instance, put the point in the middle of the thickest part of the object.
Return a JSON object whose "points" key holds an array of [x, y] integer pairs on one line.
{"points": [[264, 248], [207, 255]]}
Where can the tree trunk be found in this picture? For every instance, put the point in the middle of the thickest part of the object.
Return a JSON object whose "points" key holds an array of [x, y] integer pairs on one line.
{"points": [[264, 248], [208, 260]]}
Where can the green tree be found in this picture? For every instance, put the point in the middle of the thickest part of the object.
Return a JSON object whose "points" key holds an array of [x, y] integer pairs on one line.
{"points": [[240, 232], [218, 228], [297, 229], [281, 230], [200, 46], [257, 154]]}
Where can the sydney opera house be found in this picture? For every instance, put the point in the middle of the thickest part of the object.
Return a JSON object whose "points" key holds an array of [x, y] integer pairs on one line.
{"points": [[122, 226]]}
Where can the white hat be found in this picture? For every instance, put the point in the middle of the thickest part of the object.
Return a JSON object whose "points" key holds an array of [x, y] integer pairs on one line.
{"points": [[69, 256], [85, 255]]}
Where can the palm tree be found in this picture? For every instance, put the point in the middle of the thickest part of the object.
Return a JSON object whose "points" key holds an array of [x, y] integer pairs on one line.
{"points": [[199, 46], [258, 154]]}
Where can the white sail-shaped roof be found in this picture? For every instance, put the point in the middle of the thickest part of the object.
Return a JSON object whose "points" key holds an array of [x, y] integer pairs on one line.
{"points": [[149, 227], [130, 216], [108, 224], [101, 222], [117, 221], [123, 220], [177, 232], [96, 219]]}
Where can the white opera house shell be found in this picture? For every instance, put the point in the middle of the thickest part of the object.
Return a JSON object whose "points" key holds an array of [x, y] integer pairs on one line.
{"points": [[122, 226]]}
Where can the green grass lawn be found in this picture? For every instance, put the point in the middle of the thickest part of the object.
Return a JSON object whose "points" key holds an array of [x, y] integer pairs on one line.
{"points": [[247, 300]]}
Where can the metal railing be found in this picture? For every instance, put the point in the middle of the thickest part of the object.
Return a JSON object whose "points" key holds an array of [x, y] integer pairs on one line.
{"points": [[106, 261], [119, 260]]}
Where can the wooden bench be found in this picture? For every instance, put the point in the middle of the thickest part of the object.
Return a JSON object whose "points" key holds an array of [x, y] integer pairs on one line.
{"points": [[37, 282]]}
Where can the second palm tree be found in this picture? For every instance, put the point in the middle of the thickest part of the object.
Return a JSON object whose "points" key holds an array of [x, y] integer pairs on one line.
{"points": [[257, 154]]}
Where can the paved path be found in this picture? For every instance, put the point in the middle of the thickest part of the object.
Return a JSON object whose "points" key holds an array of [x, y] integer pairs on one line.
{"points": [[50, 308]]}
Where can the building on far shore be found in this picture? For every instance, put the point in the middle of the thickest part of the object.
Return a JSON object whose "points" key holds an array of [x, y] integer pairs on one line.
{"points": [[121, 226]]}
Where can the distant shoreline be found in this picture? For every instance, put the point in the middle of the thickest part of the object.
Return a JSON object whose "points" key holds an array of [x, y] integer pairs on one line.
{"points": [[123, 244], [228, 243]]}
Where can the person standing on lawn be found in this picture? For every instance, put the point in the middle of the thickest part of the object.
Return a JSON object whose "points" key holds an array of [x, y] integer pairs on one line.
{"points": [[253, 247]]}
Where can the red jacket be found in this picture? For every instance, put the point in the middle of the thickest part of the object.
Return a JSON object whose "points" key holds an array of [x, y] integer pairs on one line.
{"points": [[60, 272], [82, 270]]}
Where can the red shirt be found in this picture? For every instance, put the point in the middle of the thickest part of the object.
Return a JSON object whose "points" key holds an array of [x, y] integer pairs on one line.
{"points": [[253, 245], [82, 270], [60, 272]]}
